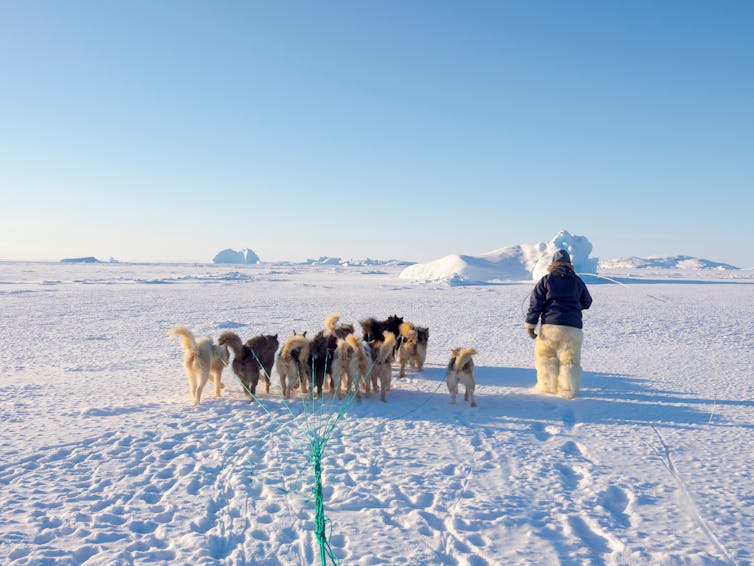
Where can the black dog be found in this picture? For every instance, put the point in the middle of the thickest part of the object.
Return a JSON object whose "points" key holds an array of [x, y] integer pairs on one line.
{"points": [[374, 329], [247, 357], [318, 364]]}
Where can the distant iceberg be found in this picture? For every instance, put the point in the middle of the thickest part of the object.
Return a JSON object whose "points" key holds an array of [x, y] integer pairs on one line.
{"points": [[672, 262], [88, 259], [517, 263], [245, 256], [329, 260], [323, 260]]}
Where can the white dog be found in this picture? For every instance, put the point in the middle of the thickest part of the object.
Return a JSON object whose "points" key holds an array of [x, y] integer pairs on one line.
{"points": [[461, 370], [201, 359], [558, 360]]}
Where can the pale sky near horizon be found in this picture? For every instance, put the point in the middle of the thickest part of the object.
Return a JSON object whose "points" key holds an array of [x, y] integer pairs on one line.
{"points": [[167, 131]]}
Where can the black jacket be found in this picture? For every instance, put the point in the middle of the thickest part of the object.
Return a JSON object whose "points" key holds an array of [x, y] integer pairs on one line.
{"points": [[558, 298]]}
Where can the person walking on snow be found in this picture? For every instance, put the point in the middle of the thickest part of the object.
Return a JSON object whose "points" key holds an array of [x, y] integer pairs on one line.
{"points": [[557, 301]]}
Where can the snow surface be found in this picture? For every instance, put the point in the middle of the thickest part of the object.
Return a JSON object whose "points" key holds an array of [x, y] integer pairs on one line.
{"points": [[104, 460], [517, 263]]}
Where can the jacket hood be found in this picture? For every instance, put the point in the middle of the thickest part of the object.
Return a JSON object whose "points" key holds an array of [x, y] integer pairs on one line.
{"points": [[561, 268]]}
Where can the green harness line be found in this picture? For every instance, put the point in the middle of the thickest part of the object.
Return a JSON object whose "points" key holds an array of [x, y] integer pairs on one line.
{"points": [[320, 427], [319, 431]]}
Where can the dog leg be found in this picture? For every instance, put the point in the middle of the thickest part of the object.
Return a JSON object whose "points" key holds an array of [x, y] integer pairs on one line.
{"points": [[337, 375], [203, 377], [469, 394], [453, 389], [283, 381], [195, 383], [252, 388], [218, 384]]}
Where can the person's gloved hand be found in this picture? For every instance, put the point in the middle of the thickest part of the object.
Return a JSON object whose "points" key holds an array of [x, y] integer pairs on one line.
{"points": [[531, 327]]}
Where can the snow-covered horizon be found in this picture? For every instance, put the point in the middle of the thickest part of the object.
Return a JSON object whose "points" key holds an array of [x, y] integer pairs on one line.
{"points": [[516, 262]]}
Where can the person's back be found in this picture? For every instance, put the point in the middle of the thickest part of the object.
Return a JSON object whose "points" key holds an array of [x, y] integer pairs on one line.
{"points": [[560, 297], [557, 301]]}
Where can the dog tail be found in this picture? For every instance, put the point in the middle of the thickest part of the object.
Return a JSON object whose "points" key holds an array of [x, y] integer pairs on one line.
{"points": [[232, 341], [369, 328], [386, 348], [463, 356], [407, 330], [293, 344], [331, 322], [187, 338], [344, 348], [355, 343]]}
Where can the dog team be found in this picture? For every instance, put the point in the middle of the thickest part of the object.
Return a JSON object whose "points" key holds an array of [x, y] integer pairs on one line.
{"points": [[335, 358]]}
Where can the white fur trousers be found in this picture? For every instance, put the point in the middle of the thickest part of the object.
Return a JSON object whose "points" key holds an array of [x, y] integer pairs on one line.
{"points": [[558, 360]]}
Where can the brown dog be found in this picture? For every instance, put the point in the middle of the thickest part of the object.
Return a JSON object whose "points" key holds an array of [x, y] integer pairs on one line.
{"points": [[413, 350]]}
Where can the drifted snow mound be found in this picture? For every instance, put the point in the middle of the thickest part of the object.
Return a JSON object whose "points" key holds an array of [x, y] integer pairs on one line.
{"points": [[518, 263], [246, 255], [673, 262]]}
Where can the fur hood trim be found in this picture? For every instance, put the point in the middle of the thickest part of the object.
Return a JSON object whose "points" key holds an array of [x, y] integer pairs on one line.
{"points": [[560, 264]]}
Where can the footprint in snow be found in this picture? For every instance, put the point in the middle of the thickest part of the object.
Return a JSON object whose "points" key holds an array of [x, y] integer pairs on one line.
{"points": [[569, 476], [573, 449], [540, 432], [569, 419], [616, 501]]}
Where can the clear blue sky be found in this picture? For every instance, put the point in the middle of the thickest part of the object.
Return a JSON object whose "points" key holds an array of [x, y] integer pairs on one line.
{"points": [[169, 130]]}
